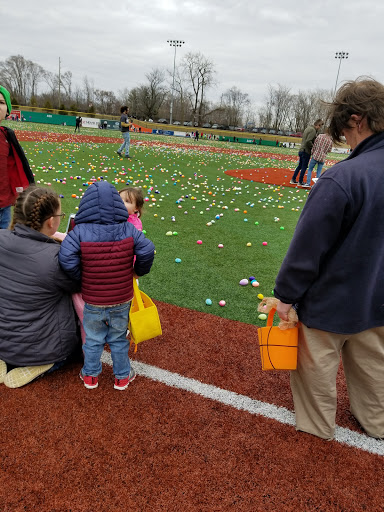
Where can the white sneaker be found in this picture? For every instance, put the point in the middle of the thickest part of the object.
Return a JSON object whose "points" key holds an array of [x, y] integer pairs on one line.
{"points": [[3, 371], [19, 377]]}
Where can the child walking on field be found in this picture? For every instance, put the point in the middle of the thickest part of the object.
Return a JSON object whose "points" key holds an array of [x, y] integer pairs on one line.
{"points": [[100, 251]]}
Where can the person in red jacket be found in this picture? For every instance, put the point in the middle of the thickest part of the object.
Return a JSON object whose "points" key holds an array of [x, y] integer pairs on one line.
{"points": [[15, 173]]}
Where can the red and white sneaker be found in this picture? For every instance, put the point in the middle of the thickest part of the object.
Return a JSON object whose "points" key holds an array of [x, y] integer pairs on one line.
{"points": [[122, 384], [89, 381]]}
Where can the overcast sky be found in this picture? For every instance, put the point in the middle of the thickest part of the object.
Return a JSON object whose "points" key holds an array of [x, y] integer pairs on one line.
{"points": [[252, 43]]}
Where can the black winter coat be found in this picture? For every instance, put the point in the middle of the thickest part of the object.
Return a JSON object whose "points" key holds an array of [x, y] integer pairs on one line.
{"points": [[37, 319]]}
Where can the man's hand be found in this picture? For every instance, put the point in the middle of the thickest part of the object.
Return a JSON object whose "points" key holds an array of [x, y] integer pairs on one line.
{"points": [[283, 309]]}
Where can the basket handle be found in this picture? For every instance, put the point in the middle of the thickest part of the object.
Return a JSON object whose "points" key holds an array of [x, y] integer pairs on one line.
{"points": [[137, 295], [270, 317]]}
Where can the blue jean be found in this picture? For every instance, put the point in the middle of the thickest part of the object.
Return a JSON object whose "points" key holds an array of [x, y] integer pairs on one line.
{"points": [[312, 164], [106, 325], [5, 217], [301, 166], [125, 144]]}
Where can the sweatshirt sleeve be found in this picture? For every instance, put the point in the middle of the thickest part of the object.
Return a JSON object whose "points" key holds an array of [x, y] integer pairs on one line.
{"points": [[4, 152], [64, 281], [316, 233], [145, 253], [309, 137], [69, 255]]}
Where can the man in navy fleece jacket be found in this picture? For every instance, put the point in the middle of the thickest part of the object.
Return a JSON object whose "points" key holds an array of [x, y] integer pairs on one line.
{"points": [[334, 272]]}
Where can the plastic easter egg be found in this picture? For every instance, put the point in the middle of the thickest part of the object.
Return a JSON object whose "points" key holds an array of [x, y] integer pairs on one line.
{"points": [[177, 260], [252, 278], [199, 242], [208, 302], [243, 282], [255, 283], [265, 243], [222, 303], [220, 246], [249, 244], [260, 296], [168, 233], [262, 316]]}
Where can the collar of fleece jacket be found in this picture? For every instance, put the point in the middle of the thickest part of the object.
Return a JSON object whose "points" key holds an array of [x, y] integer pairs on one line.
{"points": [[101, 204]]}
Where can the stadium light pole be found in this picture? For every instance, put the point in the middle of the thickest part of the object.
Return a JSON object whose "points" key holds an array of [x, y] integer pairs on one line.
{"points": [[175, 43], [340, 56]]}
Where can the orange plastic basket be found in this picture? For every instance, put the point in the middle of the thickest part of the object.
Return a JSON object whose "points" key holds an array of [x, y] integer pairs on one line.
{"points": [[278, 348]]}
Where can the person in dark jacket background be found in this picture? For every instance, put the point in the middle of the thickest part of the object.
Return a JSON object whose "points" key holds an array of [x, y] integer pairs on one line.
{"points": [[15, 173], [308, 138], [334, 272], [100, 251], [38, 324]]}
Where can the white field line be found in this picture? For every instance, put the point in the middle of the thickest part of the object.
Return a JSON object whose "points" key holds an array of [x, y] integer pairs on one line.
{"points": [[245, 403]]}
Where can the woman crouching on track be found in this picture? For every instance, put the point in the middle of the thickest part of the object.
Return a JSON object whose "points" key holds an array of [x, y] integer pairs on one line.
{"points": [[38, 324]]}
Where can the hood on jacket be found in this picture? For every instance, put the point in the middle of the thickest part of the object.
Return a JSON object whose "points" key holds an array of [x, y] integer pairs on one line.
{"points": [[101, 204]]}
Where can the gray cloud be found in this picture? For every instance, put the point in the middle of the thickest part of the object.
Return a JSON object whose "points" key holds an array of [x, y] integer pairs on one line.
{"points": [[252, 43]]}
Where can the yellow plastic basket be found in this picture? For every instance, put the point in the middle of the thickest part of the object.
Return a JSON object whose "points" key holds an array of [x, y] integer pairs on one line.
{"points": [[278, 348], [144, 322]]}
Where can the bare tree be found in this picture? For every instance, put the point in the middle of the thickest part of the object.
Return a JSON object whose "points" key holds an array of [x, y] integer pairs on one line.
{"points": [[52, 80], [36, 75], [279, 99], [123, 96], [234, 103], [88, 91], [265, 115], [152, 95], [14, 74], [182, 97], [200, 72], [66, 84], [320, 106], [106, 102], [302, 110]]}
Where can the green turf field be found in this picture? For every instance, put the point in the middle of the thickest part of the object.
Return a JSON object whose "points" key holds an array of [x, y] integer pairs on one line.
{"points": [[187, 189]]}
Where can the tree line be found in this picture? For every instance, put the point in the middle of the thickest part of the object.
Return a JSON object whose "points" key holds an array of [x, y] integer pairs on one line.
{"points": [[31, 85]]}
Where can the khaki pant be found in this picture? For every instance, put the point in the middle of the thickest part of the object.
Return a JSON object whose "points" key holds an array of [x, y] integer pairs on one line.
{"points": [[313, 384]]}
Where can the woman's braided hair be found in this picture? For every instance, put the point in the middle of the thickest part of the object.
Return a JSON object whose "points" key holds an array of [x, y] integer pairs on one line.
{"points": [[34, 206]]}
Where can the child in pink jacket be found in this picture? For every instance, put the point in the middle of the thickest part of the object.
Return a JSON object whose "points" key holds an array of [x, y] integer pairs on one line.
{"points": [[134, 202]]}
